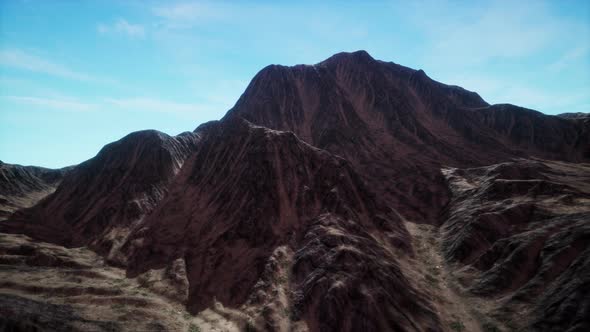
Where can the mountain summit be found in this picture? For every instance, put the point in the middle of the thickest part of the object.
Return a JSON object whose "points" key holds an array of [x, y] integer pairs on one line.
{"points": [[350, 195], [395, 123]]}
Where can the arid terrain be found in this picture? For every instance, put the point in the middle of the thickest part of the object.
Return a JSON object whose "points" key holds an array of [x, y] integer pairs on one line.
{"points": [[350, 195]]}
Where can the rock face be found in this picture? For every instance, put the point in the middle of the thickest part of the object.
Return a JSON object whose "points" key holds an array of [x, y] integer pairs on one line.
{"points": [[292, 212], [23, 186]]}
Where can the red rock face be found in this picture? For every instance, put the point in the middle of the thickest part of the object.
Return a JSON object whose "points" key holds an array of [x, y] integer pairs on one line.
{"points": [[298, 199]]}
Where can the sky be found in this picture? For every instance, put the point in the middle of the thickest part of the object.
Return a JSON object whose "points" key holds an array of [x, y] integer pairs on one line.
{"points": [[76, 75]]}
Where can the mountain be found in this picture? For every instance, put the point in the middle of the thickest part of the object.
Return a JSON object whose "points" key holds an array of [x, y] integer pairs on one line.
{"points": [[23, 186], [99, 200], [393, 122], [353, 194], [250, 198]]}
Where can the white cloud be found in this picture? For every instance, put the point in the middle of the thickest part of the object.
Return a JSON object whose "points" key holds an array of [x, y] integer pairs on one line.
{"points": [[63, 104], [121, 26], [22, 60]]}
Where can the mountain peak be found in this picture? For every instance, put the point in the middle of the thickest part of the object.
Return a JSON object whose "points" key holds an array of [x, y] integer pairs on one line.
{"points": [[360, 56]]}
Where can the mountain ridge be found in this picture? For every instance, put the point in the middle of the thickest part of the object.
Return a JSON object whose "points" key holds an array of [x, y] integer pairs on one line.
{"points": [[352, 102], [22, 186]]}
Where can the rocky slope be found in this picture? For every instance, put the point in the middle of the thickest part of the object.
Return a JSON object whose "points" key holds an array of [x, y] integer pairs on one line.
{"points": [[521, 230], [23, 186], [249, 191], [353, 194]]}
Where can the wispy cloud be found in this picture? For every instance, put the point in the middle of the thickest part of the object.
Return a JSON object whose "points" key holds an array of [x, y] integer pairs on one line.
{"points": [[124, 104], [545, 101], [62, 104], [20, 59], [121, 26], [508, 56], [187, 14], [156, 105], [496, 90], [456, 35], [570, 57]]}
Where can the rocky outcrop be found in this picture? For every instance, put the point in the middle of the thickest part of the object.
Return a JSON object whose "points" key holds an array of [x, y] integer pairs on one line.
{"points": [[523, 227]]}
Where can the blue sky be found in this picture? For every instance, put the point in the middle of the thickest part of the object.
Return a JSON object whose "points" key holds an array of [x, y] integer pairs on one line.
{"points": [[76, 75]]}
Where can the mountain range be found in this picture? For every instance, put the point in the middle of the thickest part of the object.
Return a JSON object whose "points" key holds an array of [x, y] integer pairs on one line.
{"points": [[350, 195]]}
